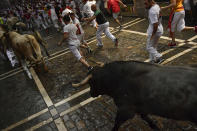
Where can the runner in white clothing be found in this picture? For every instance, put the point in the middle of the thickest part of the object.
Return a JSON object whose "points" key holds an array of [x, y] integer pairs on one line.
{"points": [[155, 30], [87, 12], [65, 12], [103, 26], [81, 34], [70, 35], [54, 17]]}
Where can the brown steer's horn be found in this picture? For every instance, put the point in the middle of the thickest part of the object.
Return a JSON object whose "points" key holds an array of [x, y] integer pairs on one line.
{"points": [[83, 82]]}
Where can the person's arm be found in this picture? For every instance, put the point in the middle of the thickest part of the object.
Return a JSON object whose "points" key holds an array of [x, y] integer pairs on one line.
{"points": [[154, 20], [64, 38], [122, 3], [89, 19], [155, 27], [173, 4]]}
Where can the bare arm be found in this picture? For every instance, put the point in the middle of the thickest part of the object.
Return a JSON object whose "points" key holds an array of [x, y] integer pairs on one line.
{"points": [[122, 3], [155, 27], [173, 4], [63, 39], [90, 18]]}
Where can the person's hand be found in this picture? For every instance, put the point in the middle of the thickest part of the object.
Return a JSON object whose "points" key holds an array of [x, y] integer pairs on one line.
{"points": [[83, 19], [162, 9], [124, 6]]}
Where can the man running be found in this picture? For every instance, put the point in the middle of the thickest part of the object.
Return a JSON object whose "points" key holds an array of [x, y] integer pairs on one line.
{"points": [[70, 34], [115, 6], [177, 19], [81, 33], [103, 26], [87, 12]]}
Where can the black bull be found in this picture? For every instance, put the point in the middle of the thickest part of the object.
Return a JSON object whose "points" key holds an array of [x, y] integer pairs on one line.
{"points": [[143, 88]]}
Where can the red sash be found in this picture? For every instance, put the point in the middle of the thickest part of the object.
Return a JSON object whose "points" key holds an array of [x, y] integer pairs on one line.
{"points": [[49, 13], [79, 31]]}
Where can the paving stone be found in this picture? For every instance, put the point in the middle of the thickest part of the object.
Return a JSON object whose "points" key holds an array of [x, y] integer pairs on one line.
{"points": [[66, 118], [75, 117], [73, 129], [89, 109], [106, 128], [80, 125], [99, 122], [69, 124]]}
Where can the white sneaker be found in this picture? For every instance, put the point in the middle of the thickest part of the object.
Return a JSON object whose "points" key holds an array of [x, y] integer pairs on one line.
{"points": [[159, 60], [99, 45]]}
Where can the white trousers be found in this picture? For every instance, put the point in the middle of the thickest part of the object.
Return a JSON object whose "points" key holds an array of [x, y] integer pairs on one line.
{"points": [[74, 48], [104, 28], [55, 23], [178, 21], [151, 47]]}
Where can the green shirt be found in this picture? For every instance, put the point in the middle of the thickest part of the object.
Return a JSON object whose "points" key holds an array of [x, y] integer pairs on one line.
{"points": [[100, 18]]}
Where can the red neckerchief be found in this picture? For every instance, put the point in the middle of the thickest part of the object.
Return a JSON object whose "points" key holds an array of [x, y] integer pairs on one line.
{"points": [[49, 12]]}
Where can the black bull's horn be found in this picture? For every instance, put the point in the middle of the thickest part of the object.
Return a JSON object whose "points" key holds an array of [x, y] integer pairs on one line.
{"points": [[83, 82]]}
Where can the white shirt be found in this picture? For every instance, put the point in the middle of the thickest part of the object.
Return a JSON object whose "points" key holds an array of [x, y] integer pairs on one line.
{"points": [[66, 11], [153, 16], [71, 29], [53, 15], [87, 8], [76, 21]]}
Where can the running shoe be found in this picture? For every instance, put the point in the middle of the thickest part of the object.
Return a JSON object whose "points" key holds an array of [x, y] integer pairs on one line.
{"points": [[172, 44], [90, 68], [116, 42], [99, 45], [89, 50], [120, 28], [159, 60], [195, 29]]}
